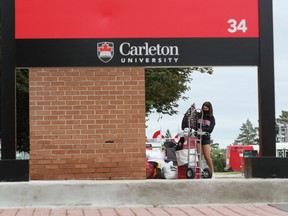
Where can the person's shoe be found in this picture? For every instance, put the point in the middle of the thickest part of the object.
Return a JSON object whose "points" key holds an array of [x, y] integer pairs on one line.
{"points": [[213, 176]]}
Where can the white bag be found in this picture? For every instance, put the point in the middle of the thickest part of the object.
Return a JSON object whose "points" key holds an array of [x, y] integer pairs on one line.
{"points": [[154, 154], [182, 157], [169, 171]]}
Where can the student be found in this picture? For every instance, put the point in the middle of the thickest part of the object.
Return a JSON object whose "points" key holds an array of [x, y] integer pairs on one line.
{"points": [[206, 121]]}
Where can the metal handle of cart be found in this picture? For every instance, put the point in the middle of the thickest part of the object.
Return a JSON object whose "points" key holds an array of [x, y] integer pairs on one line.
{"points": [[191, 173]]}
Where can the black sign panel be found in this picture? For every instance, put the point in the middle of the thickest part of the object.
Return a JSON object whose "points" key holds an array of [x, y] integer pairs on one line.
{"points": [[137, 52]]}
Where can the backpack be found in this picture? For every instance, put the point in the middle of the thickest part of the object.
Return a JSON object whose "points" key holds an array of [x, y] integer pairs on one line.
{"points": [[153, 170], [192, 115]]}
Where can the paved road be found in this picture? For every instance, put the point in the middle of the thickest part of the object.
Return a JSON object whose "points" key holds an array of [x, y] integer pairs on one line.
{"points": [[195, 210]]}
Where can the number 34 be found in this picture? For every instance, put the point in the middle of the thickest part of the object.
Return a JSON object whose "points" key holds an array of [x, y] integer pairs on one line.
{"points": [[237, 26]]}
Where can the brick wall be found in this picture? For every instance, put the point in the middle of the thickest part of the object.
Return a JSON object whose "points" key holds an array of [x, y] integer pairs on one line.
{"points": [[87, 123]]}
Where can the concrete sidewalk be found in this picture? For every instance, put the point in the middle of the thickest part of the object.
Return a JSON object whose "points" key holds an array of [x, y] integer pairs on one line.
{"points": [[71, 193], [235, 196], [193, 210]]}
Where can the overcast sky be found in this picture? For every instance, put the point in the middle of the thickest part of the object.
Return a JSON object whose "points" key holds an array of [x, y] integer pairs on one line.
{"points": [[233, 91]]}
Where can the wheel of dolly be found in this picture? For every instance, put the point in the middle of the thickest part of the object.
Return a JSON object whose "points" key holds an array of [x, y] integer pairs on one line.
{"points": [[190, 174], [207, 173]]}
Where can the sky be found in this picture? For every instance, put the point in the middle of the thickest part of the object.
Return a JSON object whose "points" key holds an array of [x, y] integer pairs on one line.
{"points": [[233, 91]]}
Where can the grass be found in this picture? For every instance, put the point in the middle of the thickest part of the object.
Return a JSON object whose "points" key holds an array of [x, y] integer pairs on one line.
{"points": [[228, 173]]}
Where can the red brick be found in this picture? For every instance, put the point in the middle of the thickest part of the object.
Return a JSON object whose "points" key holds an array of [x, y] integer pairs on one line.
{"points": [[74, 112]]}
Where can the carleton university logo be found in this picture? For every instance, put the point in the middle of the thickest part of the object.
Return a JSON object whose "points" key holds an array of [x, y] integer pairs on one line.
{"points": [[105, 51]]}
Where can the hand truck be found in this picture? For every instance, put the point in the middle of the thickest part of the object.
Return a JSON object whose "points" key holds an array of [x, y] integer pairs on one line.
{"points": [[195, 131]]}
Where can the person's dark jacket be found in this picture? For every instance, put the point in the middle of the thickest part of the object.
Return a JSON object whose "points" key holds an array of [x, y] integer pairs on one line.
{"points": [[208, 123]]}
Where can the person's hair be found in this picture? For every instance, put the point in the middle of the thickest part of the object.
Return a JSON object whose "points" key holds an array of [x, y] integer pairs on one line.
{"points": [[209, 105]]}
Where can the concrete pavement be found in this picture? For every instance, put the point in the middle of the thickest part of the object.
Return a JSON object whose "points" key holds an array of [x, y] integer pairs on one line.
{"points": [[220, 196], [155, 193]]}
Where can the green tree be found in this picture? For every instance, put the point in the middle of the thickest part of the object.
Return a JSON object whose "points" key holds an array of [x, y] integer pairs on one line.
{"points": [[165, 86], [218, 157], [248, 135], [22, 108], [282, 127], [283, 118], [168, 135]]}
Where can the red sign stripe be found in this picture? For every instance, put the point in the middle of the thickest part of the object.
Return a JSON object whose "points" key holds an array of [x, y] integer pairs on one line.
{"points": [[136, 19]]}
